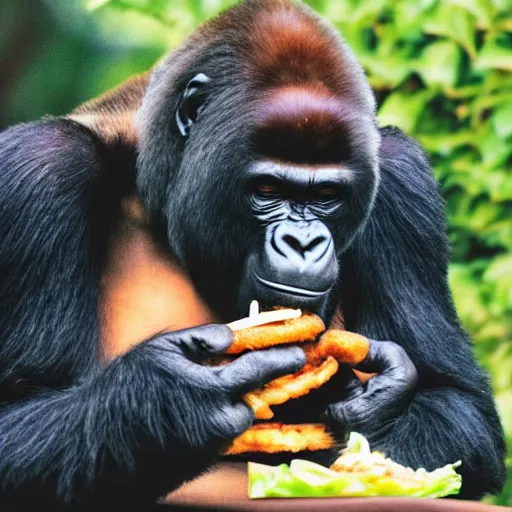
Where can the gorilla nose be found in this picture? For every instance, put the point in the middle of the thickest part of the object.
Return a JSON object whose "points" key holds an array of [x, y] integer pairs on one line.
{"points": [[301, 244], [297, 263]]}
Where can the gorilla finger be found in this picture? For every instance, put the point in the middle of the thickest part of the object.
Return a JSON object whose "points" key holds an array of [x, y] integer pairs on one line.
{"points": [[335, 417], [230, 422], [255, 369], [380, 399], [204, 341], [387, 390], [388, 358], [354, 389], [354, 414], [401, 370]]}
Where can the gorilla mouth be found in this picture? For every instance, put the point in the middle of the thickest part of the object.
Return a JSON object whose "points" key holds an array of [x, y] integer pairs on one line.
{"points": [[292, 290]]}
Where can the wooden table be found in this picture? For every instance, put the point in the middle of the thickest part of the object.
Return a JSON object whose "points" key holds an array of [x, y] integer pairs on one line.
{"points": [[225, 488]]}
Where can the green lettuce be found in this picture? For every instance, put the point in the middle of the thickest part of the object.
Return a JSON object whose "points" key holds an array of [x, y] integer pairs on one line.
{"points": [[305, 479]]}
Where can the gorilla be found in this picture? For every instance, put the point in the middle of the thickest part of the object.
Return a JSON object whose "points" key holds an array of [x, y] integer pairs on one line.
{"points": [[247, 165]]}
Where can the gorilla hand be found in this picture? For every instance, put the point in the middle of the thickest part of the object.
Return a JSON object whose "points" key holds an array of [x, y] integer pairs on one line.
{"points": [[204, 404], [371, 406]]}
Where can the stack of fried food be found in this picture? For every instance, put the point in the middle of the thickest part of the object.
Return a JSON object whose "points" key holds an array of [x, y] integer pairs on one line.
{"points": [[324, 353]]}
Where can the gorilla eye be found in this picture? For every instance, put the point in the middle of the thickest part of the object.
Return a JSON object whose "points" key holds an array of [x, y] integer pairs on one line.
{"points": [[266, 190], [327, 193], [191, 102]]}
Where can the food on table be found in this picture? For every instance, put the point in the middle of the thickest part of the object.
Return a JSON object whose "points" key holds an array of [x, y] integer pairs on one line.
{"points": [[357, 472]]}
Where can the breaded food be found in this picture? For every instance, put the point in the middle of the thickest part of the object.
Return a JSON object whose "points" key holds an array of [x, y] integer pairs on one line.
{"points": [[346, 347], [280, 390], [271, 328], [334, 347], [278, 437], [295, 330]]}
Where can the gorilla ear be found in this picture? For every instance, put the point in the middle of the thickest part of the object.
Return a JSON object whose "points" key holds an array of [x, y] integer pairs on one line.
{"points": [[191, 102]]}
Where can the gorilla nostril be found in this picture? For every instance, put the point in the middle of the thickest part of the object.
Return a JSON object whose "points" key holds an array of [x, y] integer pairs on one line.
{"points": [[319, 240], [292, 242], [300, 244]]}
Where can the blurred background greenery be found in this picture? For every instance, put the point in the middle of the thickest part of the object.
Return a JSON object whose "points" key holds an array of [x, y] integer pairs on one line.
{"points": [[441, 70]]}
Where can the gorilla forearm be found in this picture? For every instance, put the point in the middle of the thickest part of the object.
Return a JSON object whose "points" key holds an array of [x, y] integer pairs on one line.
{"points": [[57, 446], [112, 438], [442, 426], [151, 420]]}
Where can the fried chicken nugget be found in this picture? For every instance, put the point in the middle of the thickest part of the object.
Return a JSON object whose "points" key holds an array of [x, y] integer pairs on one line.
{"points": [[280, 390], [346, 347], [304, 328], [278, 437]]}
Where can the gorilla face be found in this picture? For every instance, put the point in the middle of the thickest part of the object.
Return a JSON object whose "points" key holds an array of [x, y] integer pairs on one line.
{"points": [[294, 263], [307, 216], [296, 214], [267, 164]]}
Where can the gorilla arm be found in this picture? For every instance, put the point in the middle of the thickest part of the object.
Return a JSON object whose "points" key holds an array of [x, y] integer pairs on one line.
{"points": [[71, 431], [394, 286]]}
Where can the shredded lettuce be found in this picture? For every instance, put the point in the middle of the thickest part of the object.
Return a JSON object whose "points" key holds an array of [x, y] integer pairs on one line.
{"points": [[304, 479]]}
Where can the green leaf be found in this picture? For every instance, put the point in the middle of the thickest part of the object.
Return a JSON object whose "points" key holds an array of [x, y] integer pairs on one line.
{"points": [[494, 55], [409, 16], [503, 6], [485, 102], [354, 12], [502, 358], [387, 71], [482, 10], [500, 185], [439, 64], [499, 269], [499, 274], [492, 330], [92, 5], [455, 23], [494, 150], [446, 143], [502, 120], [403, 109], [468, 300], [499, 232], [503, 401], [483, 214], [463, 91]]}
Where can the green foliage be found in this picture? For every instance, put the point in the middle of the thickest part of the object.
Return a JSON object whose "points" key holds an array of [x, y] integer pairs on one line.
{"points": [[441, 70]]}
